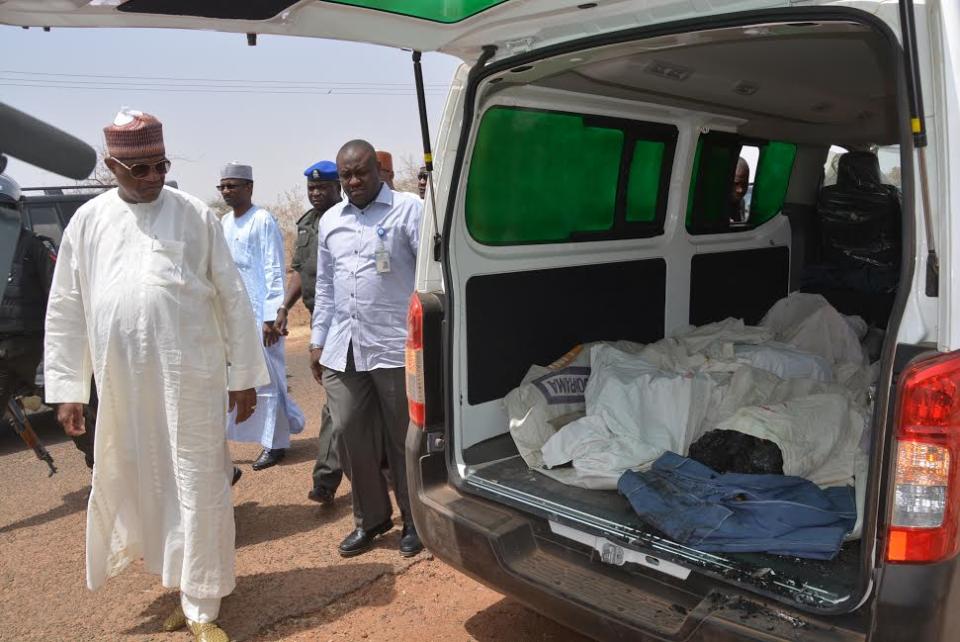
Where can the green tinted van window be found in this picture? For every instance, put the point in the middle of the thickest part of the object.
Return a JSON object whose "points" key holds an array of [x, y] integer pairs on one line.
{"points": [[446, 11], [710, 207], [773, 176], [643, 187], [539, 176], [547, 177]]}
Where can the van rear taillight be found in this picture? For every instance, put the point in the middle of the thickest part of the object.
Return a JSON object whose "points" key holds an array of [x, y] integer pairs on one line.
{"points": [[926, 505], [416, 397]]}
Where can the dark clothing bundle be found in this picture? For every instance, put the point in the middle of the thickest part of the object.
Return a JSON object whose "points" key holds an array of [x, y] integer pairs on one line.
{"points": [[729, 451]]}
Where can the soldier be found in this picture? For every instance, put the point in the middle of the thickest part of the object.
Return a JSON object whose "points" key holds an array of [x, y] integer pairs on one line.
{"points": [[24, 305], [323, 190]]}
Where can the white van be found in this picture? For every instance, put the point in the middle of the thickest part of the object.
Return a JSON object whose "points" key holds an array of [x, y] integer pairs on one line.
{"points": [[584, 192]]}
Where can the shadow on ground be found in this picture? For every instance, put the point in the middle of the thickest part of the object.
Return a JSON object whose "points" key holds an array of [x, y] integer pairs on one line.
{"points": [[258, 523], [263, 600], [72, 503], [508, 621]]}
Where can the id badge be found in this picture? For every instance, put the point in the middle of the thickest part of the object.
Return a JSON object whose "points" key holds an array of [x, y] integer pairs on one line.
{"points": [[383, 260]]}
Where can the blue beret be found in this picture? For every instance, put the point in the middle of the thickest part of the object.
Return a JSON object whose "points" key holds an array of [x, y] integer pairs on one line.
{"points": [[322, 171]]}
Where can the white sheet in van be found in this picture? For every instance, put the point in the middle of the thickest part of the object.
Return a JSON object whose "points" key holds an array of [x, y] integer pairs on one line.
{"points": [[642, 400], [635, 413], [548, 394], [810, 323], [818, 435]]}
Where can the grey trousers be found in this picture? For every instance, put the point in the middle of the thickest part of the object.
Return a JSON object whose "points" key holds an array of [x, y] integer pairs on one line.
{"points": [[370, 419], [326, 470]]}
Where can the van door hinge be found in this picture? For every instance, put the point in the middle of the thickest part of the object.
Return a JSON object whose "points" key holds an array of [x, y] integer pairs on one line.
{"points": [[436, 442]]}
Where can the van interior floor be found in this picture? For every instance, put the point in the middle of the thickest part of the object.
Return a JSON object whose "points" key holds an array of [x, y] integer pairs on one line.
{"points": [[498, 472]]}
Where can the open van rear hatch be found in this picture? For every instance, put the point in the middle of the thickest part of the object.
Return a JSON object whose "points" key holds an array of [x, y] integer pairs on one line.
{"points": [[457, 27]]}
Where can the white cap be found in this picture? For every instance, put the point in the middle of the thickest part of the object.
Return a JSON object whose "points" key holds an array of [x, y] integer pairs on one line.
{"points": [[234, 169], [126, 116]]}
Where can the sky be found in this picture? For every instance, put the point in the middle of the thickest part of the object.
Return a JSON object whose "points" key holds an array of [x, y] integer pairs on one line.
{"points": [[280, 106]]}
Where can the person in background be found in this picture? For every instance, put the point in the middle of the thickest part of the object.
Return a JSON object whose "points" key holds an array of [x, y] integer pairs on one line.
{"points": [[146, 299], [256, 245], [365, 276], [24, 304], [741, 183], [323, 190], [385, 167], [422, 182]]}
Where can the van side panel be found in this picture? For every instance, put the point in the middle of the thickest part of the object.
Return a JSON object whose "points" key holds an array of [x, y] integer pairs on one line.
{"points": [[520, 318], [742, 284]]}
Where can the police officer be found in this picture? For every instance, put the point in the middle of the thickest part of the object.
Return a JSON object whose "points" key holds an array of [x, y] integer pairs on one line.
{"points": [[323, 191], [24, 305]]}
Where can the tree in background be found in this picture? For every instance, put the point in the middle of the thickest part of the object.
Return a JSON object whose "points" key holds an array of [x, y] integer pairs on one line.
{"points": [[405, 174]]}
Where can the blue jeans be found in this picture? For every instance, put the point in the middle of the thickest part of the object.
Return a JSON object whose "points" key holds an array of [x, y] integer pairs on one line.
{"points": [[733, 512]]}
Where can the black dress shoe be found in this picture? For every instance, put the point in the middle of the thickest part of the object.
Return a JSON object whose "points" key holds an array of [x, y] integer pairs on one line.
{"points": [[269, 457], [410, 543], [323, 496], [361, 541], [237, 474]]}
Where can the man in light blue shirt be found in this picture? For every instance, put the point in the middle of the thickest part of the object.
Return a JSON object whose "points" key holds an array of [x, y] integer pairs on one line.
{"points": [[366, 261]]}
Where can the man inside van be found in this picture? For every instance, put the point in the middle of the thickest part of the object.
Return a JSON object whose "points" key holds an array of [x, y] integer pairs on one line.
{"points": [[323, 190], [365, 276], [741, 184]]}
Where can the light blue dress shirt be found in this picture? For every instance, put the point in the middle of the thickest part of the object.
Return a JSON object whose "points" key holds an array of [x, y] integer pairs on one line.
{"points": [[354, 302]]}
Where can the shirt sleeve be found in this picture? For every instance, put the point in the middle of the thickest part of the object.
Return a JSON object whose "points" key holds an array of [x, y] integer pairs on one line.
{"points": [[296, 262], [246, 367], [323, 298], [271, 241], [68, 366]]}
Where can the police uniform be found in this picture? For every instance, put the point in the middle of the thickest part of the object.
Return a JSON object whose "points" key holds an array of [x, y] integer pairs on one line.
{"points": [[327, 473], [305, 255]]}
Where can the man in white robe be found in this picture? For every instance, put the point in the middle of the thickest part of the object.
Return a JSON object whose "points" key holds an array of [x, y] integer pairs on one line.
{"points": [[256, 244], [146, 298]]}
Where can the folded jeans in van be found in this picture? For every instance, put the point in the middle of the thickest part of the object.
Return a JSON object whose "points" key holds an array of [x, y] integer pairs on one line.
{"points": [[732, 512]]}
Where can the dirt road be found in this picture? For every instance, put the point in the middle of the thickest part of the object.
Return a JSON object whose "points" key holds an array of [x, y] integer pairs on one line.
{"points": [[291, 583]]}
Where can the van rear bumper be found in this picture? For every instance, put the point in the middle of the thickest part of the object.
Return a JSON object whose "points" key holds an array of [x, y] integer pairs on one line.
{"points": [[514, 554]]}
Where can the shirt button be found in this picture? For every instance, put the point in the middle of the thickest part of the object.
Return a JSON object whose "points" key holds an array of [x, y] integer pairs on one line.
{"points": [[356, 251], [353, 316], [351, 295]]}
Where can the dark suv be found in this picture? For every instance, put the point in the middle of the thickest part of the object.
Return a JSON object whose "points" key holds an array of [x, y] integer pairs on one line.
{"points": [[47, 210]]}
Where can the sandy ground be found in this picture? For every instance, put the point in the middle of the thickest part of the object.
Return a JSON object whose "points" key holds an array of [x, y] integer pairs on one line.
{"points": [[291, 583]]}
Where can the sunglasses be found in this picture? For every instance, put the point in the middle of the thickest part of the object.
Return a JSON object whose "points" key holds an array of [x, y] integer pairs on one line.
{"points": [[142, 170], [230, 186]]}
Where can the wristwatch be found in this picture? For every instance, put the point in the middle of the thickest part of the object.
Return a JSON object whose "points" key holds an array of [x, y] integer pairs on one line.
{"points": [[284, 308], [314, 346]]}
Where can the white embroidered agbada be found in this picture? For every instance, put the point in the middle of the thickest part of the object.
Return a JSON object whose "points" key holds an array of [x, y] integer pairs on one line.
{"points": [[256, 244], [146, 298]]}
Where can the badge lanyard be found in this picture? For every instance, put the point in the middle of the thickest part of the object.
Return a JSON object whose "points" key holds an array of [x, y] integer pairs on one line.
{"points": [[382, 255]]}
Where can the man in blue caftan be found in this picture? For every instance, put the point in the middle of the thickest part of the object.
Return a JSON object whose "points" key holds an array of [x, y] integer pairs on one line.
{"points": [[256, 244]]}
